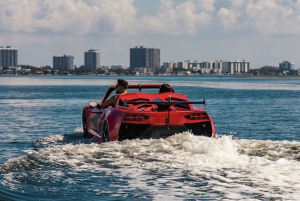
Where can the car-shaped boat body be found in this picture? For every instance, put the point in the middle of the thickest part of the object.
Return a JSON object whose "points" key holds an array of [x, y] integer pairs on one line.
{"points": [[140, 115]]}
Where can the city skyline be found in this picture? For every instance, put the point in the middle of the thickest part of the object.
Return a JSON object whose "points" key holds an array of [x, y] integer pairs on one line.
{"points": [[150, 58], [263, 32], [142, 59], [125, 65]]}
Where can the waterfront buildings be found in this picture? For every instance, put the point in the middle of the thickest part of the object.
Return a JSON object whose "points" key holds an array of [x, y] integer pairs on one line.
{"points": [[143, 57], [65, 62], [8, 56], [105, 67], [91, 60], [207, 67], [286, 65], [117, 66], [182, 65], [168, 66], [140, 70]]}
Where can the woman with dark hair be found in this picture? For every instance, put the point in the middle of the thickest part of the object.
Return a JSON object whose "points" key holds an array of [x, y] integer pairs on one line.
{"points": [[165, 88]]}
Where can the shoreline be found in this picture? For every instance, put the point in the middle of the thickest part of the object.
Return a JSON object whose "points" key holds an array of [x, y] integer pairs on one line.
{"points": [[221, 76], [270, 76]]}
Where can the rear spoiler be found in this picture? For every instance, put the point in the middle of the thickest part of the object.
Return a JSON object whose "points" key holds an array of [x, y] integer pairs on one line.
{"points": [[169, 103]]}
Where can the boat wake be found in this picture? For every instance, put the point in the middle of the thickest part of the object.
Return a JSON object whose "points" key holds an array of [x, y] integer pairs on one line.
{"points": [[182, 166]]}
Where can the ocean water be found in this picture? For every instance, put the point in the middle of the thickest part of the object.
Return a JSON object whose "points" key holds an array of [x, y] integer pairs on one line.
{"points": [[43, 155]]}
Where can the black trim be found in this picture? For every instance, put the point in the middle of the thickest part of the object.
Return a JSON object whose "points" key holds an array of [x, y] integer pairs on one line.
{"points": [[203, 129], [131, 131]]}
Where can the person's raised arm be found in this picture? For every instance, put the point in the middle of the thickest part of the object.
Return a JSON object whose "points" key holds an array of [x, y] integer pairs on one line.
{"points": [[110, 102]]}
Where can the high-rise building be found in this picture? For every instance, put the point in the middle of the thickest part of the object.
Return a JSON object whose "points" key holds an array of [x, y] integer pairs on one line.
{"points": [[65, 62], [148, 58], [286, 65], [91, 60], [8, 56]]}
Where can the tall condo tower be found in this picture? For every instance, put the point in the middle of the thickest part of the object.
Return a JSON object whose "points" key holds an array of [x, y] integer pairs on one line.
{"points": [[8, 56], [91, 60], [65, 62], [145, 57]]}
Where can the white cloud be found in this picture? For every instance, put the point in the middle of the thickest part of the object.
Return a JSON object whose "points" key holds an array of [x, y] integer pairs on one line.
{"points": [[262, 16], [206, 5], [273, 17], [73, 16], [102, 17], [227, 17], [187, 18], [165, 5], [190, 17]]}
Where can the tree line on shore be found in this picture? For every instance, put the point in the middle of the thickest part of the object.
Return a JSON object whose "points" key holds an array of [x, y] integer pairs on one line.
{"points": [[45, 70], [273, 70]]}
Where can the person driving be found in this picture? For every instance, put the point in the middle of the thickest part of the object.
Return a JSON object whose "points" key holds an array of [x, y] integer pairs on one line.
{"points": [[165, 88], [121, 89]]}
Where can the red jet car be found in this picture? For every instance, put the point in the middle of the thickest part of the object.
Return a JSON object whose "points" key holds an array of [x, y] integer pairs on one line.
{"points": [[141, 115]]}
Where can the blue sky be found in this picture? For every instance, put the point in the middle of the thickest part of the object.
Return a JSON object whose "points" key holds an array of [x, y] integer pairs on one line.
{"points": [[264, 32]]}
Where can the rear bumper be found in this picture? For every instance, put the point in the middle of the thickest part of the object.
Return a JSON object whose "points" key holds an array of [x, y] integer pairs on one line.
{"points": [[146, 131], [156, 132]]}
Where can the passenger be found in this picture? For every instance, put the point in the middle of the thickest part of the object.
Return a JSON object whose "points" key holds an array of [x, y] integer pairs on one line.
{"points": [[165, 88], [121, 88]]}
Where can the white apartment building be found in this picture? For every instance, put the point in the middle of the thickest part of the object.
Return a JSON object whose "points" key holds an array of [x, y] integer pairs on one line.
{"points": [[207, 67], [217, 66], [8, 56], [193, 65], [234, 67]]}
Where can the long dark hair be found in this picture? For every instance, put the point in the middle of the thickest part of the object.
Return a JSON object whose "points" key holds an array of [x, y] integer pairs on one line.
{"points": [[165, 88]]}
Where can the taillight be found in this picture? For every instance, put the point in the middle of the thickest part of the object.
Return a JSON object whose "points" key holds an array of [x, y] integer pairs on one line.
{"points": [[196, 116], [135, 117]]}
